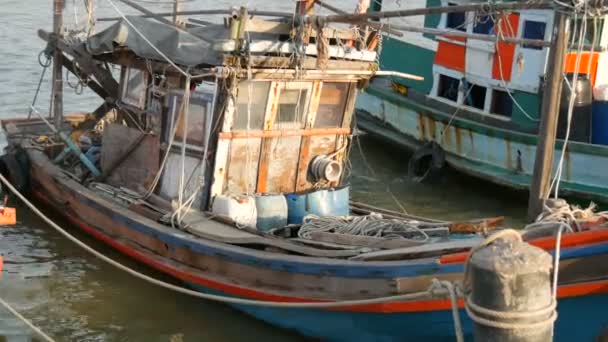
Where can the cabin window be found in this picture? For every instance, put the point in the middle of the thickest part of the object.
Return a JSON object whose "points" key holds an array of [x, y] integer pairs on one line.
{"points": [[199, 109], [534, 30], [292, 105], [502, 103], [332, 105], [251, 105], [456, 20], [475, 96], [448, 87], [134, 88], [483, 24]]}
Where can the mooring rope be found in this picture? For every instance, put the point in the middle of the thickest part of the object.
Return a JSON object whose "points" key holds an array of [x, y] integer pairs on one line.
{"points": [[432, 291], [35, 329]]}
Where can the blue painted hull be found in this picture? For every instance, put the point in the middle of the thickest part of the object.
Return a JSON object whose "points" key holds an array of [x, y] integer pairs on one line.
{"points": [[579, 318]]}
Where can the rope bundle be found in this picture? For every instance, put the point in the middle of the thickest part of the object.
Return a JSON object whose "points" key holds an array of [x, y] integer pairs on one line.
{"points": [[373, 225]]}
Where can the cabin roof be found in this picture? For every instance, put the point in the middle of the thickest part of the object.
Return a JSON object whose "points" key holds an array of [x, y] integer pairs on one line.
{"points": [[183, 46], [210, 45]]}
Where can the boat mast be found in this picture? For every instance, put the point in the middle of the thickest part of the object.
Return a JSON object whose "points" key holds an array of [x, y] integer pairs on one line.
{"points": [[56, 109], [543, 165]]}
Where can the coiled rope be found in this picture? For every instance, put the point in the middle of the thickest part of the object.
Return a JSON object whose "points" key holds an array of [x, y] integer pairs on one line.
{"points": [[433, 290], [373, 225]]}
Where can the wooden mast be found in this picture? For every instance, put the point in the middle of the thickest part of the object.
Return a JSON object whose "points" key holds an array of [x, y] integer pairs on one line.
{"points": [[56, 109], [543, 165]]}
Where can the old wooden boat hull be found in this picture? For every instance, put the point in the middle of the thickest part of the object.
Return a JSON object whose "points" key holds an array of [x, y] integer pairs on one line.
{"points": [[215, 267], [480, 149]]}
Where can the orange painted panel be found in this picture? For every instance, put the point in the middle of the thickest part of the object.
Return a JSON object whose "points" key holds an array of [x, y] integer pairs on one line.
{"points": [[450, 55], [508, 25], [583, 67]]}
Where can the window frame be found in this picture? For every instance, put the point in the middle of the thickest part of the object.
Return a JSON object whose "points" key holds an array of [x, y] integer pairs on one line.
{"points": [[173, 98], [139, 103]]}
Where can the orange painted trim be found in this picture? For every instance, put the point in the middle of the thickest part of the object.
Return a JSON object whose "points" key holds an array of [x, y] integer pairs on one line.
{"points": [[583, 67], [283, 133], [508, 26], [450, 55], [546, 243]]}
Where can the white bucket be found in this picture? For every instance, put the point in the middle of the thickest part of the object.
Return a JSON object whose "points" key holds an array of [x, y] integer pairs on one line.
{"points": [[241, 209]]}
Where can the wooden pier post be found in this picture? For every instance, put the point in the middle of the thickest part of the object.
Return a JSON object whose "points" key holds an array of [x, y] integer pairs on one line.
{"points": [[511, 297], [543, 165], [56, 109]]}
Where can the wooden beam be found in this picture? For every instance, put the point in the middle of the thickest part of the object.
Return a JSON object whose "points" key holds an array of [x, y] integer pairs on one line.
{"points": [[86, 62], [207, 12], [57, 85], [543, 165], [375, 26], [92, 84]]}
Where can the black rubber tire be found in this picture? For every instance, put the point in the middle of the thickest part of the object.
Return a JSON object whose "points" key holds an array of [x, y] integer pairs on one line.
{"points": [[430, 153]]}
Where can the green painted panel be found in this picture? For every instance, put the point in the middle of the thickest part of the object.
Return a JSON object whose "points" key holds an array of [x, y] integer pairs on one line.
{"points": [[404, 57], [432, 20], [531, 104]]}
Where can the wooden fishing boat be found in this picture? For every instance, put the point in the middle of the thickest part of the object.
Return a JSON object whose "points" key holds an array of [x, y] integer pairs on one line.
{"points": [[177, 169], [480, 100]]}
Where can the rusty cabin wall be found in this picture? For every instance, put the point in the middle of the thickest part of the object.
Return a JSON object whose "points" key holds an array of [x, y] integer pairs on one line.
{"points": [[271, 153]]}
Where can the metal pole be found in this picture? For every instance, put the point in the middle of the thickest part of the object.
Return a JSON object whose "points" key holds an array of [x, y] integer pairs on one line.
{"points": [[541, 179], [56, 109], [356, 18]]}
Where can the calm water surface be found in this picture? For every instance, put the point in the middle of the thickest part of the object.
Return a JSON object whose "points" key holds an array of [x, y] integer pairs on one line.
{"points": [[75, 297]]}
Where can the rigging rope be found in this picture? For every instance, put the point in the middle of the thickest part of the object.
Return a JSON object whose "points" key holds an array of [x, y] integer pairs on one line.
{"points": [[432, 292]]}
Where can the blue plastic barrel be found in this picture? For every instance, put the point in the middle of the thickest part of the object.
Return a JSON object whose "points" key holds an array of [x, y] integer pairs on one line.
{"points": [[332, 202], [271, 211], [599, 123]]}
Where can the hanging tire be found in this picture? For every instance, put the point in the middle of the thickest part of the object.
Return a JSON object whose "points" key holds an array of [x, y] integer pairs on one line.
{"points": [[425, 161]]}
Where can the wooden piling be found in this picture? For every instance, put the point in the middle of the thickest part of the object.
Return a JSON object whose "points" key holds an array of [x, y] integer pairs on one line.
{"points": [[543, 165]]}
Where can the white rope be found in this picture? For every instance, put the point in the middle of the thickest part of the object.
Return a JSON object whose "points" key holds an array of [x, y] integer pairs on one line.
{"points": [[470, 307], [372, 225], [35, 329], [454, 303], [432, 292]]}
